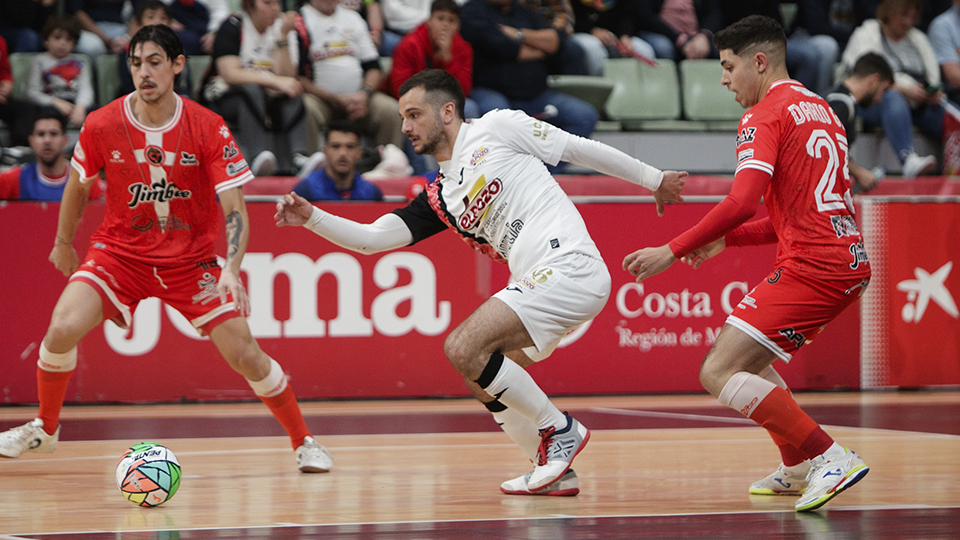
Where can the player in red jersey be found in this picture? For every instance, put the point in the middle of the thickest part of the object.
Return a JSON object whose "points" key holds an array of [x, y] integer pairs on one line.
{"points": [[792, 151], [166, 160]]}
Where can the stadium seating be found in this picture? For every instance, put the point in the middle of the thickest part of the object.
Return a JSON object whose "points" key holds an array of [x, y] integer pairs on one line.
{"points": [[704, 98], [642, 93], [108, 78], [198, 68], [20, 68]]}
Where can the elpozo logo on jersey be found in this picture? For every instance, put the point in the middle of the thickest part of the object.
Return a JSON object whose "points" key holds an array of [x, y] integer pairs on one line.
{"points": [[478, 205]]}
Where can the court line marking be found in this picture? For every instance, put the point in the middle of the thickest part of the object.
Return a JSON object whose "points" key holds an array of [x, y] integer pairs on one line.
{"points": [[747, 421], [283, 525]]}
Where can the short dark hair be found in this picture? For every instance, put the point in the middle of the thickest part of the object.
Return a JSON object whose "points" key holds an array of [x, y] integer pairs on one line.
{"points": [[160, 34], [50, 114], [343, 126], [151, 5], [440, 87], [754, 32], [445, 5], [67, 23], [871, 63]]}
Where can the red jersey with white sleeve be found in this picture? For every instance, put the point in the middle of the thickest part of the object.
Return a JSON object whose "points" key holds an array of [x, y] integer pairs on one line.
{"points": [[161, 182], [792, 150]]}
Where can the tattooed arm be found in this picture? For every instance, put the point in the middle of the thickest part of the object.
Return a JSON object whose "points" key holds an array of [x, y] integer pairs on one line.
{"points": [[238, 233], [75, 194]]}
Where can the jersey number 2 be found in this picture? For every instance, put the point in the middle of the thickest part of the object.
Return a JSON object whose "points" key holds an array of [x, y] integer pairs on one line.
{"points": [[821, 145]]}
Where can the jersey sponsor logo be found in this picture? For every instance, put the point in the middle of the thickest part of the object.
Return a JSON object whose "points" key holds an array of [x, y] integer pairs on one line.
{"points": [[844, 225], [744, 155], [775, 277], [478, 155], [859, 255], [794, 336], [746, 136], [746, 118], [207, 264], [141, 222], [153, 155], [747, 301], [116, 157], [208, 289], [188, 159], [476, 208], [554, 243], [236, 167], [748, 408], [160, 191], [230, 151], [332, 49], [513, 230], [925, 288]]}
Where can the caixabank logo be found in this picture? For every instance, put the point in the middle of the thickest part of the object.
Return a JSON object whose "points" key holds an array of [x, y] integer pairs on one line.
{"points": [[927, 287]]}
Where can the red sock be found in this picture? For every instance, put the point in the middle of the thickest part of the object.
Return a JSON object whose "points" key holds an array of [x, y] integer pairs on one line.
{"points": [[284, 407], [781, 416], [51, 389], [789, 454]]}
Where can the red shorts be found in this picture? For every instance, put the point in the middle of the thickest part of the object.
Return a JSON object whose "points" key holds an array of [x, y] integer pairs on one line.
{"points": [[123, 283], [786, 310]]}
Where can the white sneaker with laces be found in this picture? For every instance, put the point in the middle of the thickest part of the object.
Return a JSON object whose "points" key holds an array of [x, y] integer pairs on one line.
{"points": [[828, 477], [915, 165], [29, 437], [264, 164], [566, 486], [308, 164], [781, 482], [556, 453], [312, 457]]}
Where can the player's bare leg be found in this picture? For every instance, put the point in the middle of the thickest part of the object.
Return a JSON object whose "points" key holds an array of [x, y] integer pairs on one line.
{"points": [[474, 348], [78, 311], [238, 347], [731, 371]]}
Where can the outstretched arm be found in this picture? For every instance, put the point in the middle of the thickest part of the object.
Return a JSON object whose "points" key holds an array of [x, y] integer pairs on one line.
{"points": [[665, 185], [388, 232]]}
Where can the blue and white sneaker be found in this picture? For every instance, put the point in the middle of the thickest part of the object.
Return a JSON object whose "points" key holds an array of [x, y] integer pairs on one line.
{"points": [[781, 482], [828, 477], [29, 437], [556, 453]]}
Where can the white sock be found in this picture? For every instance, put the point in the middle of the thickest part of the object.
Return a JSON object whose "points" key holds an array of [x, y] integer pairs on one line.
{"points": [[771, 375], [273, 384], [798, 469], [835, 451], [57, 362], [516, 389], [520, 430]]}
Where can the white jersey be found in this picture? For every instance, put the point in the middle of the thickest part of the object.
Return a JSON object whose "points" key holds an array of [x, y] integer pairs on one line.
{"points": [[339, 44], [497, 194]]}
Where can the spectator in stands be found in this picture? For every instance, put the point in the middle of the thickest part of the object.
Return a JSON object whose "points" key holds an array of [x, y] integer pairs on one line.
{"points": [[608, 30], [916, 93], [149, 12], [400, 17], [338, 180], [864, 87], [15, 114], [810, 58], [191, 18], [253, 84], [20, 23], [59, 79], [102, 24], [571, 59], [43, 179], [511, 45], [944, 34], [340, 72], [436, 44], [680, 29], [372, 13]]}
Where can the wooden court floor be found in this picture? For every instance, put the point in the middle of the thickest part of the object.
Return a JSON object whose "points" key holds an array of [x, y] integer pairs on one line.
{"points": [[655, 467]]}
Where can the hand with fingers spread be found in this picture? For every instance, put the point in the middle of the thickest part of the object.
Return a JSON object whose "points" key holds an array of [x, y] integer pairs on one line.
{"points": [[669, 190], [293, 210]]}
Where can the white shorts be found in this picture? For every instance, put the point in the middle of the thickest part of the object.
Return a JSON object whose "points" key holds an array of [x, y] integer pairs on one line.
{"points": [[556, 298]]}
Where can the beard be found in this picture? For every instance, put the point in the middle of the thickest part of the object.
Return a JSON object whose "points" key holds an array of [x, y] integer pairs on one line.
{"points": [[432, 141], [49, 162]]}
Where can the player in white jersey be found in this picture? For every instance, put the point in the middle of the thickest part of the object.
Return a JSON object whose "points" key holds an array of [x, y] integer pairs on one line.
{"points": [[495, 192]]}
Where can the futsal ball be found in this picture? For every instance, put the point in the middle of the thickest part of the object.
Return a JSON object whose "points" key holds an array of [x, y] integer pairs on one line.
{"points": [[148, 474]]}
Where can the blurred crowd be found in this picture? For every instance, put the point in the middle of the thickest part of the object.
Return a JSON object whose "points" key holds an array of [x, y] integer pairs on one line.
{"points": [[294, 78]]}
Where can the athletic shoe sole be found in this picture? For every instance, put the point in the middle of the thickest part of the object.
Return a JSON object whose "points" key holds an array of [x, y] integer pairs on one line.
{"points": [[852, 478]]}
